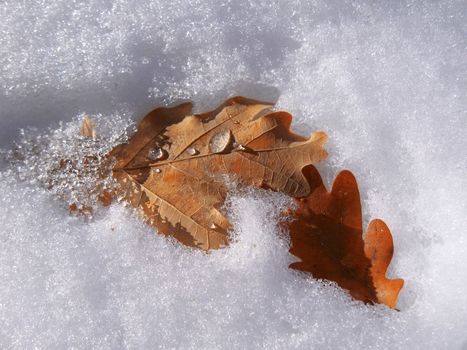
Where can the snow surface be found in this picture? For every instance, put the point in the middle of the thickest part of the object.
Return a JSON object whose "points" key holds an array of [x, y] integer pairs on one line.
{"points": [[386, 80]]}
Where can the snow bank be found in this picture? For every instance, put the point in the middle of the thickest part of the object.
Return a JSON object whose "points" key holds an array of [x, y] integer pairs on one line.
{"points": [[386, 81]]}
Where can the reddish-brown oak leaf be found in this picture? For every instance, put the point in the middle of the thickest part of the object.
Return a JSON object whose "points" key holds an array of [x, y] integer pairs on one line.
{"points": [[177, 164], [326, 234]]}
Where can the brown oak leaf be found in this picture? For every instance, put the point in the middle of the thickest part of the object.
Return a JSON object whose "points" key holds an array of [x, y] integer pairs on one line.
{"points": [[88, 129], [178, 165], [326, 234]]}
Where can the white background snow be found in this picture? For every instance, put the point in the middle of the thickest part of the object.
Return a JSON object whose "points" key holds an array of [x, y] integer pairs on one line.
{"points": [[387, 80]]}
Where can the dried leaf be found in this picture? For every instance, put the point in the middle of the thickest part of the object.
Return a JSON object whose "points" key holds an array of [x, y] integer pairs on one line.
{"points": [[327, 236], [88, 129], [105, 198], [176, 166]]}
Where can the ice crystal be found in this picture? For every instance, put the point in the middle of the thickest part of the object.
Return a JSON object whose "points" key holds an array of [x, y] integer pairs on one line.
{"points": [[72, 167]]}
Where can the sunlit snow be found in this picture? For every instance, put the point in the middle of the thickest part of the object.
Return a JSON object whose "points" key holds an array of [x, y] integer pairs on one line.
{"points": [[387, 81]]}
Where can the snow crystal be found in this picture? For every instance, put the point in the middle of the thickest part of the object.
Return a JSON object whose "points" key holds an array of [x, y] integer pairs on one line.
{"points": [[386, 80], [76, 169]]}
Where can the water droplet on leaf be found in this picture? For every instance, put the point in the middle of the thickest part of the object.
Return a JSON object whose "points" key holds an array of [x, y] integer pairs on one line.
{"points": [[221, 142], [192, 151], [157, 154]]}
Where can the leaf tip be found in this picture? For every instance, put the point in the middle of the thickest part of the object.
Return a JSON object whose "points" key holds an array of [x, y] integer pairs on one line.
{"points": [[379, 248], [88, 129]]}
